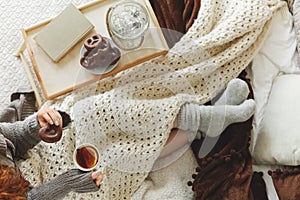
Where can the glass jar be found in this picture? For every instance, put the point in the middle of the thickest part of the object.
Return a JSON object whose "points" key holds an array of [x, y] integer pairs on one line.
{"points": [[127, 23]]}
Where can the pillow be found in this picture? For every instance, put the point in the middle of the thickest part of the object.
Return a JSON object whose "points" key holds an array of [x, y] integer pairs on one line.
{"points": [[294, 6], [278, 140], [276, 56]]}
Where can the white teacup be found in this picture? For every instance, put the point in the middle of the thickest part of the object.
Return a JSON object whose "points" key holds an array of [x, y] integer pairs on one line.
{"points": [[86, 157]]}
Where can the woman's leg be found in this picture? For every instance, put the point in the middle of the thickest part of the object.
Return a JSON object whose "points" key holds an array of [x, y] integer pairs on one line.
{"points": [[210, 120], [230, 108], [176, 140]]}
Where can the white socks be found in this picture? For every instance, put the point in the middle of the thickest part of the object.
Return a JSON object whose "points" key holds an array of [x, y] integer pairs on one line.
{"points": [[213, 120], [236, 92]]}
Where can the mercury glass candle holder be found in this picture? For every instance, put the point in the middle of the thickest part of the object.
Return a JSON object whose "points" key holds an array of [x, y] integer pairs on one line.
{"points": [[127, 23]]}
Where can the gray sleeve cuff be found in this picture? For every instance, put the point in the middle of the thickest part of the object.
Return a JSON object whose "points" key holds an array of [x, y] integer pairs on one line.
{"points": [[72, 180], [81, 182], [33, 126]]}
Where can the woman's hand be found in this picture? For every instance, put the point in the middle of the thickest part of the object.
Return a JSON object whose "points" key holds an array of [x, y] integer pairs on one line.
{"points": [[49, 116], [97, 178], [51, 125]]}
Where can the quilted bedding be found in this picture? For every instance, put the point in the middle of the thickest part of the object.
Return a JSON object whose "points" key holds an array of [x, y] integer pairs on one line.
{"points": [[235, 152]]}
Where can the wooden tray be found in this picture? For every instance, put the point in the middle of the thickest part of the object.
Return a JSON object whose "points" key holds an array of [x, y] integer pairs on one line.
{"points": [[60, 78]]}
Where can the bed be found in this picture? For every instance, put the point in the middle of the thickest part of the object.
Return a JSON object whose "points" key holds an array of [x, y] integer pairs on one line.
{"points": [[257, 159], [273, 76], [243, 161]]}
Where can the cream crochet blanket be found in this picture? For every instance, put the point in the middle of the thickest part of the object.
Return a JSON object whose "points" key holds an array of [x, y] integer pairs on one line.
{"points": [[129, 116]]}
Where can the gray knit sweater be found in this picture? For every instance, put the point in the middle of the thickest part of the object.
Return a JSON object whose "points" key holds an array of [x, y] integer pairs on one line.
{"points": [[17, 138]]}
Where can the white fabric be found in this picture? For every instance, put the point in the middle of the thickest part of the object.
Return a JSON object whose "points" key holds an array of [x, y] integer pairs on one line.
{"points": [[277, 56], [131, 122], [15, 15], [279, 139], [170, 183]]}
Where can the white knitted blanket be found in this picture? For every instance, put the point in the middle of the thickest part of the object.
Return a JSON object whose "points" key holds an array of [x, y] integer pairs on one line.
{"points": [[129, 116]]}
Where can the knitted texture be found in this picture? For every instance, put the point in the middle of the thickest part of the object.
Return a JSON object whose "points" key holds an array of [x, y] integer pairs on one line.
{"points": [[129, 116], [236, 92], [22, 135], [72, 180], [212, 120], [27, 103]]}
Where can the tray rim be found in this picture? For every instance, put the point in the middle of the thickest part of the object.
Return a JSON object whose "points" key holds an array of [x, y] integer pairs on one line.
{"points": [[47, 96]]}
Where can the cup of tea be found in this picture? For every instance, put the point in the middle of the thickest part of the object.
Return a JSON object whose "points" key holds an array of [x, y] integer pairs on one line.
{"points": [[86, 157]]}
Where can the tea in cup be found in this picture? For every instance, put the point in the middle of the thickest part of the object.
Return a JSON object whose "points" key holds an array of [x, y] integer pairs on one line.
{"points": [[86, 157]]}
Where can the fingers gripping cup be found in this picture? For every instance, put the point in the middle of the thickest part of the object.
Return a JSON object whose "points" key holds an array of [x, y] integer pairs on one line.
{"points": [[50, 133], [86, 157]]}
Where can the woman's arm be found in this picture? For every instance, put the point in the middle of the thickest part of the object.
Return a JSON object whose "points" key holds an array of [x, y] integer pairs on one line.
{"points": [[73, 180], [24, 134]]}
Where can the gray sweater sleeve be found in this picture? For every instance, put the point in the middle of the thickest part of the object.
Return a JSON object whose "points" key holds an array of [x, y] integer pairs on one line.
{"points": [[73, 180], [23, 134]]}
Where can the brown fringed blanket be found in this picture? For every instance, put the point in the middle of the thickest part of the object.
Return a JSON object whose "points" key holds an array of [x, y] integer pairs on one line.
{"points": [[175, 17]]}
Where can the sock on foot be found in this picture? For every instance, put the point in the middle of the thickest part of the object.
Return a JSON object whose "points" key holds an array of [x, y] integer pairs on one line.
{"points": [[213, 120], [236, 92]]}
